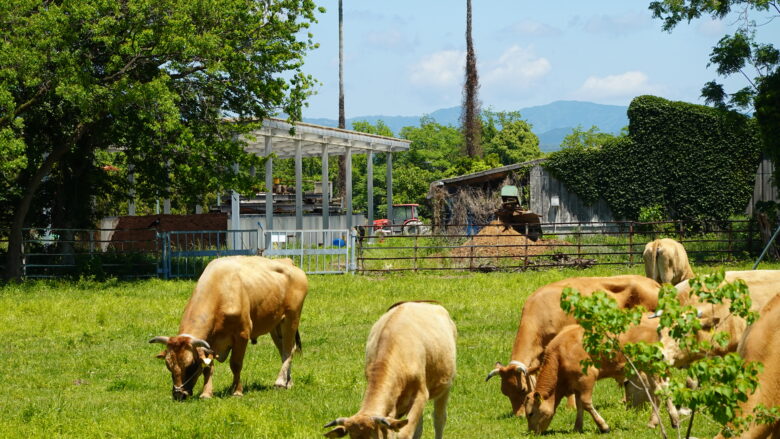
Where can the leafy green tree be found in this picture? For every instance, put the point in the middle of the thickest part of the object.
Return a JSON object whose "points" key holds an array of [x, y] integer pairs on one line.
{"points": [[152, 79], [739, 54], [509, 137], [723, 382], [591, 138]]}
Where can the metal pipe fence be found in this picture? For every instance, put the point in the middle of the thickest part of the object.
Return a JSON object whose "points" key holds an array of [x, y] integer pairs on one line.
{"points": [[495, 247]]}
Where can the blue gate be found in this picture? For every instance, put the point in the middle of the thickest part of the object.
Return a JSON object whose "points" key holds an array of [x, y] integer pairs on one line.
{"points": [[186, 253]]}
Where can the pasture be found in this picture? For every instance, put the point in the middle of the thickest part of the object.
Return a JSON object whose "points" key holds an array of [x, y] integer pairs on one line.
{"points": [[76, 361]]}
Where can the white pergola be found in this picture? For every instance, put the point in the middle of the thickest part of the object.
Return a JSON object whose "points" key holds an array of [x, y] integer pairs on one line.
{"points": [[285, 140]]}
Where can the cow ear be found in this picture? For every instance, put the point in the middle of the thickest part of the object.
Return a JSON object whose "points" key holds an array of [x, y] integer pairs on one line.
{"points": [[337, 432], [161, 354], [205, 356]]}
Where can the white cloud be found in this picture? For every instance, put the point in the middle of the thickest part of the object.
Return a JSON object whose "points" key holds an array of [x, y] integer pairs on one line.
{"points": [[533, 28], [515, 68], [617, 24], [625, 85], [440, 69]]}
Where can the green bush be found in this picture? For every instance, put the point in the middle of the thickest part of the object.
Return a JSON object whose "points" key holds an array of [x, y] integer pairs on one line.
{"points": [[692, 161]]}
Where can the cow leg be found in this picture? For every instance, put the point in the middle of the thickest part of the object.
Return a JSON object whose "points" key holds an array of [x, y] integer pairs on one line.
{"points": [[587, 403], [276, 336], [208, 373], [571, 401], [288, 328], [236, 362], [440, 414], [415, 417], [580, 414]]}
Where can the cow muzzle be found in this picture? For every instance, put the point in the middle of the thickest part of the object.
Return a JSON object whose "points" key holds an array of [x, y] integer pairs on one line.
{"points": [[179, 393]]}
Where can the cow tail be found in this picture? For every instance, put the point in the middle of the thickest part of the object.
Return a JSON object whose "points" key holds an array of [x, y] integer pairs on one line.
{"points": [[298, 343]]}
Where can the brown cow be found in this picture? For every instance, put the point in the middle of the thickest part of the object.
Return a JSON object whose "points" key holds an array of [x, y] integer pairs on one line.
{"points": [[236, 299], [561, 374], [760, 343], [763, 285], [410, 358], [542, 318], [666, 261]]}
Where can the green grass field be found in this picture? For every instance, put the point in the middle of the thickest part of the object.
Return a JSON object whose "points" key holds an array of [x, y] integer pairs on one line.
{"points": [[76, 361]]}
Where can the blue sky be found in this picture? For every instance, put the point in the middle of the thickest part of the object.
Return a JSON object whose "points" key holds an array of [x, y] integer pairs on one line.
{"points": [[406, 57]]}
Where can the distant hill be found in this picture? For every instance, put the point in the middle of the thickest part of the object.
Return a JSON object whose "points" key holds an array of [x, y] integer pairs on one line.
{"points": [[551, 122]]}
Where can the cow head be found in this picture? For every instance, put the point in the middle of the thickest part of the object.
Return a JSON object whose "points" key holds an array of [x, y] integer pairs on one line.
{"points": [[364, 427], [539, 411], [516, 383], [185, 357]]}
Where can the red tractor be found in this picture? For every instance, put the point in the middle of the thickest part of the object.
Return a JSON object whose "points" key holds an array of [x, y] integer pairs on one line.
{"points": [[405, 221]]}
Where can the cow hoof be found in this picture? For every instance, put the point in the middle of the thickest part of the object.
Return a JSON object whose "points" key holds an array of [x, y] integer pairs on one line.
{"points": [[205, 396], [605, 431], [283, 385], [238, 393]]}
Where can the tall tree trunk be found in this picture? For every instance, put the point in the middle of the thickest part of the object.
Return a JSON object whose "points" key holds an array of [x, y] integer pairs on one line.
{"points": [[341, 184], [471, 122], [13, 266]]}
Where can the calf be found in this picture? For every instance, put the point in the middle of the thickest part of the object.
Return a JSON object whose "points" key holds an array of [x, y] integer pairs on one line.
{"points": [[410, 358], [560, 374], [236, 299], [542, 318]]}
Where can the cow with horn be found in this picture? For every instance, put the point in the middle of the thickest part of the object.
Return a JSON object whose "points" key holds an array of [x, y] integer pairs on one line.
{"points": [[236, 299]]}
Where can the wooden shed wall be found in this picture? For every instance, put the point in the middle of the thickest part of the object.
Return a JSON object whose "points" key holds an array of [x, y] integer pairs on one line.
{"points": [[764, 189], [571, 207]]}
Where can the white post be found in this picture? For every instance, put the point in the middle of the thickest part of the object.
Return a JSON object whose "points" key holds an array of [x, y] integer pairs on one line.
{"points": [[269, 187], [389, 183], [298, 186], [370, 188], [348, 166], [235, 212], [325, 189]]}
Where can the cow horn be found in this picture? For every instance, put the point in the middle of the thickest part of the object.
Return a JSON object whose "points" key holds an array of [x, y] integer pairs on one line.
{"points": [[699, 313], [493, 373], [519, 366], [159, 339], [197, 342], [656, 314], [337, 421]]}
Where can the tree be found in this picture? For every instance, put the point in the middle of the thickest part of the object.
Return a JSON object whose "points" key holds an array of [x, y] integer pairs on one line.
{"points": [[723, 382], [739, 54], [341, 182], [508, 137], [152, 80], [592, 138], [470, 118]]}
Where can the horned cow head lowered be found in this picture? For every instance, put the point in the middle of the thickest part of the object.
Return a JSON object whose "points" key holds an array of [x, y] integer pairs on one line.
{"points": [[516, 383], [364, 427], [185, 356]]}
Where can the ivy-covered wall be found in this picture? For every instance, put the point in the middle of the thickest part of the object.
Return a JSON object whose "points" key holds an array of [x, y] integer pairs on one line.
{"points": [[695, 162]]}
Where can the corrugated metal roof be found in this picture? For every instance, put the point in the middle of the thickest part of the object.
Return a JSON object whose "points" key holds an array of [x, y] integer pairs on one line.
{"points": [[312, 138], [490, 174]]}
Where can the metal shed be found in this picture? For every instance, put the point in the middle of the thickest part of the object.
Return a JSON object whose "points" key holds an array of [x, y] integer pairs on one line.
{"points": [[286, 140]]}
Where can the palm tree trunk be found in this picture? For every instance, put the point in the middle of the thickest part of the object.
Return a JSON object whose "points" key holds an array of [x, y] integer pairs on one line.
{"points": [[342, 177], [470, 116]]}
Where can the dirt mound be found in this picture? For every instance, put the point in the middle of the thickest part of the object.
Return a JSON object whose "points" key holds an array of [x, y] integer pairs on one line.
{"points": [[497, 241]]}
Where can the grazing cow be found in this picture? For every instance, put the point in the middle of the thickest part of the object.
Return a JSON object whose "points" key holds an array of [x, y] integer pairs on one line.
{"points": [[410, 358], [236, 299], [666, 261], [560, 374], [763, 286], [760, 343], [542, 318]]}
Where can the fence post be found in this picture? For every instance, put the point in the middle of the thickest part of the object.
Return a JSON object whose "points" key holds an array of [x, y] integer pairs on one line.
{"points": [[681, 231], [579, 240], [631, 244], [415, 251], [525, 259], [731, 238], [750, 236]]}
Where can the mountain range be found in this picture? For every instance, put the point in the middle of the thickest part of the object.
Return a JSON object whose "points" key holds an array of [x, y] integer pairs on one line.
{"points": [[551, 122]]}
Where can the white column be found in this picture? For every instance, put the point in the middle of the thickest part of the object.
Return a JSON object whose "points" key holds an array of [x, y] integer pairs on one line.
{"points": [[269, 186], [235, 214], [348, 166], [298, 186], [325, 189], [370, 188], [389, 183]]}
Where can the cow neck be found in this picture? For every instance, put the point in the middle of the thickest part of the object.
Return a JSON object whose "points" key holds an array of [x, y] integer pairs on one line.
{"points": [[383, 390], [521, 350], [198, 320]]}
